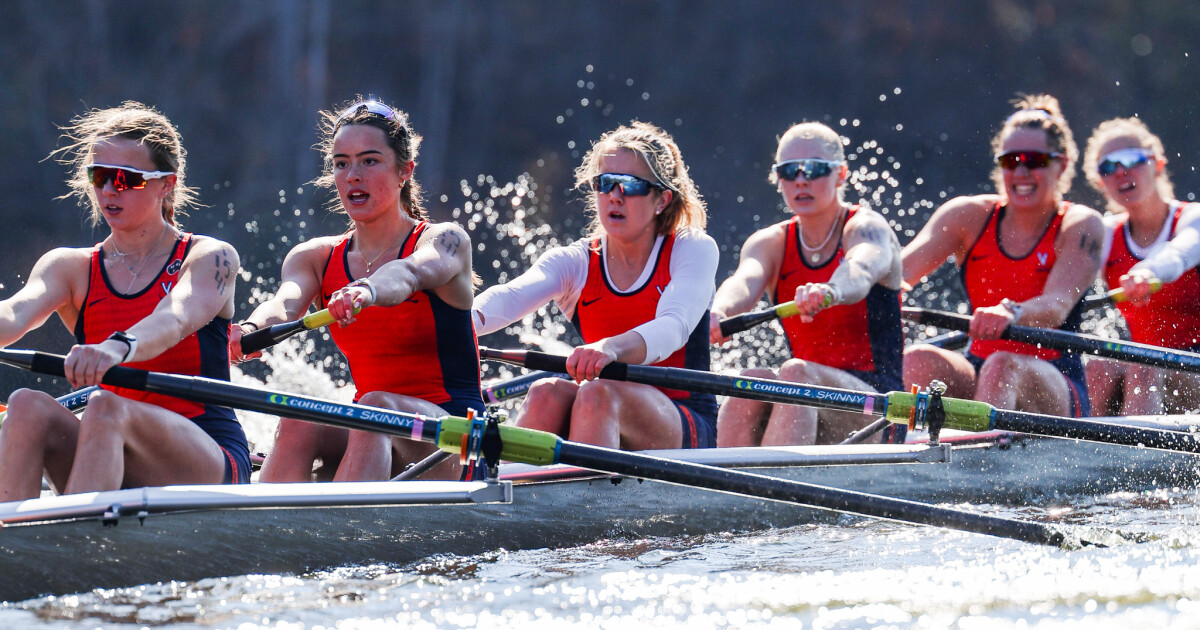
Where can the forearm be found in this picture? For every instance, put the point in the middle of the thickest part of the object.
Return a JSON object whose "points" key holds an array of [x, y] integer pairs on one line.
{"points": [[628, 347], [853, 281], [734, 297]]}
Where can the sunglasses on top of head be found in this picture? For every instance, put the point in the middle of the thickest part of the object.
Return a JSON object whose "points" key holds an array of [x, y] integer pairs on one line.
{"points": [[1030, 159], [1128, 158], [373, 107], [631, 185], [122, 177], [812, 169]]}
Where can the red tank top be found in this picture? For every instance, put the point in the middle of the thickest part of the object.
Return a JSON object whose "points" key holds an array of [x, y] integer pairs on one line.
{"points": [[603, 311], [991, 274], [202, 353], [865, 336], [1172, 318], [422, 347]]}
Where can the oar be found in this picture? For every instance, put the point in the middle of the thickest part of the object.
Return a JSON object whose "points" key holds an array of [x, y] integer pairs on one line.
{"points": [[271, 335], [1063, 340], [738, 323], [514, 387], [965, 415], [73, 401], [540, 448]]}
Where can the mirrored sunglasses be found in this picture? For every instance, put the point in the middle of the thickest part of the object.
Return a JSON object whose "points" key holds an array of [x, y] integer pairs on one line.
{"points": [[631, 185], [374, 107], [1030, 159], [812, 169], [122, 177], [1128, 158]]}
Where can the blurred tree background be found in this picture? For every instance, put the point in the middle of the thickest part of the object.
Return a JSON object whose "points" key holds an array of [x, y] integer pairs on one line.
{"points": [[516, 90]]}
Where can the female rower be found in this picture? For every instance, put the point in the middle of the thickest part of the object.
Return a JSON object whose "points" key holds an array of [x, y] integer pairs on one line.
{"points": [[1026, 257], [841, 264], [414, 349], [637, 289], [149, 295], [1152, 235]]}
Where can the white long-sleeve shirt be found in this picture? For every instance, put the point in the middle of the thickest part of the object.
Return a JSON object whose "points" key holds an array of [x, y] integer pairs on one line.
{"points": [[559, 276], [1166, 257]]}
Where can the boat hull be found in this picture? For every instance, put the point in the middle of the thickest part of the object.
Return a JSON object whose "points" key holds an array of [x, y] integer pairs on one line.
{"points": [[46, 552]]}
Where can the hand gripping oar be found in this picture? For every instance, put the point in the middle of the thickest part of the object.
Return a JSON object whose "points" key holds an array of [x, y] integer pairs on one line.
{"points": [[1063, 340], [537, 447], [271, 335], [737, 323], [965, 415]]}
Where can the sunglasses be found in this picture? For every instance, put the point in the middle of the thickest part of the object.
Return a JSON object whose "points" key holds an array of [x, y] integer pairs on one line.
{"points": [[1031, 159], [122, 177], [1128, 158], [812, 169], [631, 186], [373, 107]]}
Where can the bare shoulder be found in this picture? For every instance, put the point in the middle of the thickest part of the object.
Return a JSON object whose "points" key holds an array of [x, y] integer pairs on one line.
{"points": [[449, 238], [203, 245], [1078, 214], [315, 250], [66, 259], [771, 236], [968, 207], [868, 226]]}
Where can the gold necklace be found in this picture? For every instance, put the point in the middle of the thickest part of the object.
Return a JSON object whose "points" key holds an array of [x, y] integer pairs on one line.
{"points": [[146, 256], [817, 250], [376, 258]]}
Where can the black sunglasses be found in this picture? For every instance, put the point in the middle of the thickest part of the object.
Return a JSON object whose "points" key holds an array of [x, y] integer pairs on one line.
{"points": [[631, 185], [1031, 159]]}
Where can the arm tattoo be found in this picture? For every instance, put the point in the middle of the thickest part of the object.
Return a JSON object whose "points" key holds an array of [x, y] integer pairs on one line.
{"points": [[450, 241], [1091, 247], [224, 271]]}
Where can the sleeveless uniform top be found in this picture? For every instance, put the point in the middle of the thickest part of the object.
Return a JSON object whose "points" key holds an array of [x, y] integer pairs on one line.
{"points": [[202, 353], [422, 347], [1172, 318], [603, 311], [991, 274], [866, 336]]}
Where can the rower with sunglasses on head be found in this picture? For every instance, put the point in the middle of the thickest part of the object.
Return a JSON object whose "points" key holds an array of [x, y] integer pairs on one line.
{"points": [[1027, 257], [150, 296], [412, 347], [637, 290], [1151, 234], [840, 262]]}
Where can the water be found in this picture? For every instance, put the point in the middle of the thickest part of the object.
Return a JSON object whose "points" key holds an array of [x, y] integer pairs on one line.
{"points": [[850, 574]]}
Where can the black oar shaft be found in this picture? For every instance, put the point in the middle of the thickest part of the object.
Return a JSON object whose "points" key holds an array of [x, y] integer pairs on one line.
{"points": [[1075, 342], [269, 336], [773, 488], [708, 383], [514, 387], [1093, 431]]}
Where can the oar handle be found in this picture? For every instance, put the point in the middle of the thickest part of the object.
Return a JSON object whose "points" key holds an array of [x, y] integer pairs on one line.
{"points": [[271, 335], [732, 325], [1116, 295], [534, 360]]}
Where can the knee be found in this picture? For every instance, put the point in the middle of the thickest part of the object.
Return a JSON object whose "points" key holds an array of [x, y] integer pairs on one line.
{"points": [[26, 410], [549, 390], [796, 370], [1002, 369], [375, 399], [921, 358], [595, 396], [105, 411], [759, 372]]}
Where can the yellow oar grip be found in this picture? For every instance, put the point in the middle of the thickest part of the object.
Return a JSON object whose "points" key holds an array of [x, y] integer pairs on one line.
{"points": [[321, 318], [787, 309], [1119, 296]]}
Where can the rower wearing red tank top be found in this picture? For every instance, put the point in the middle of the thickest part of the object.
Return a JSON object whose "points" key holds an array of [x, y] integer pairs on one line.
{"points": [[841, 264], [413, 347], [1151, 234], [1026, 257], [150, 296], [637, 290]]}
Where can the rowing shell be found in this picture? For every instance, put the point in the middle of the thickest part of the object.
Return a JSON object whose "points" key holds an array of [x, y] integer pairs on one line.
{"points": [[73, 543]]}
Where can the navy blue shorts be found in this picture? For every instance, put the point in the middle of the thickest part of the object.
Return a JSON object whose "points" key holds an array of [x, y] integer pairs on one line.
{"points": [[699, 430], [883, 383], [231, 439], [1072, 371]]}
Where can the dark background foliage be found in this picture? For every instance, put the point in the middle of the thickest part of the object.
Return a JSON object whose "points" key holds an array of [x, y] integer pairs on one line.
{"points": [[519, 87]]}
